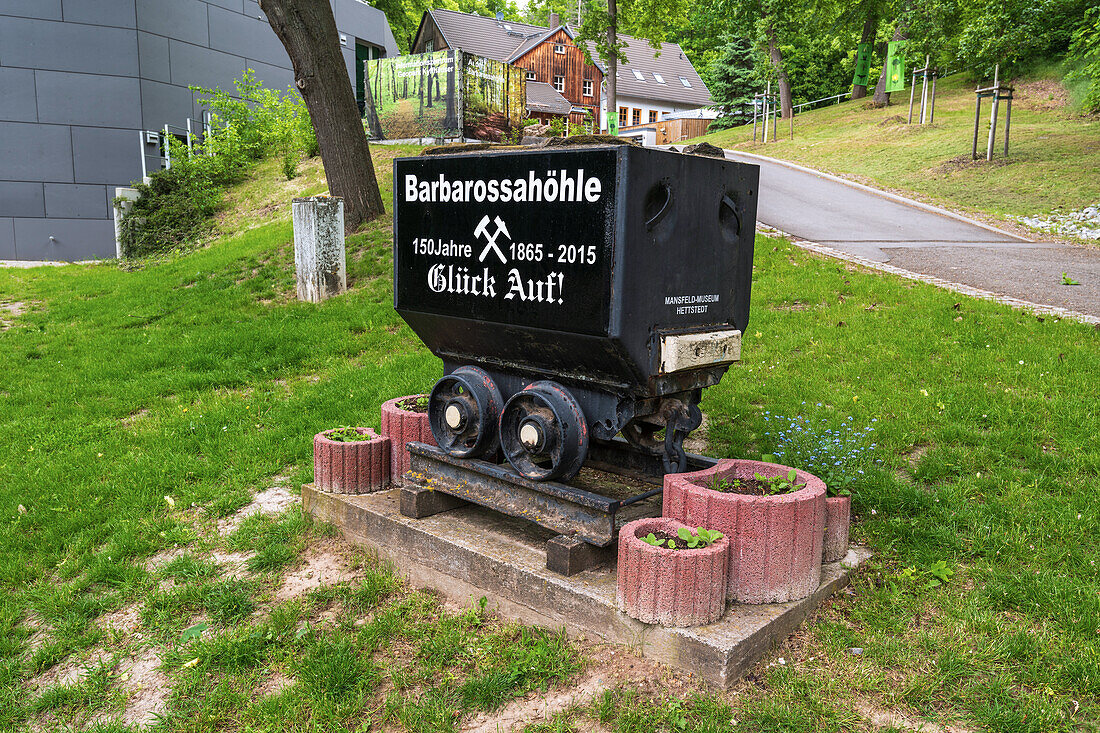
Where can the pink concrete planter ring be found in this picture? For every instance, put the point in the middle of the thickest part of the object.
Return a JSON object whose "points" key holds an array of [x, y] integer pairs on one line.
{"points": [[351, 467], [670, 587], [837, 519], [404, 426], [775, 541]]}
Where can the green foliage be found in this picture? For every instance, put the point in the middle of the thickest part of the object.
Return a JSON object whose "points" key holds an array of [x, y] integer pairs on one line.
{"points": [[732, 80], [557, 127], [841, 455], [175, 207], [689, 540], [1016, 33], [773, 485], [1085, 54], [346, 435]]}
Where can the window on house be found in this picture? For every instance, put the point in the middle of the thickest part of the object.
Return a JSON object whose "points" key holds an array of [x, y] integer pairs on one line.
{"points": [[660, 79], [638, 75], [531, 76], [559, 84], [429, 45], [652, 115], [559, 48], [637, 117], [685, 82], [623, 116], [587, 88]]}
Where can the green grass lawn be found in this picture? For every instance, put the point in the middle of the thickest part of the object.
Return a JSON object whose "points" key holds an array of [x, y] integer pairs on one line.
{"points": [[1053, 162], [144, 405]]}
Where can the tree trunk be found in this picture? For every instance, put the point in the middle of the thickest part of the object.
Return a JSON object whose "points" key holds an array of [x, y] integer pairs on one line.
{"points": [[370, 107], [307, 30], [870, 25], [612, 63], [450, 120], [776, 56], [882, 97]]}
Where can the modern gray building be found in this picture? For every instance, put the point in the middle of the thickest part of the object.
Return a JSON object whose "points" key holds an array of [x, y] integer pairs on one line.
{"points": [[82, 80]]}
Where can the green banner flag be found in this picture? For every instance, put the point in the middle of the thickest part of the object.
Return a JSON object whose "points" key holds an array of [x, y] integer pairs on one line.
{"points": [[895, 66], [863, 65]]}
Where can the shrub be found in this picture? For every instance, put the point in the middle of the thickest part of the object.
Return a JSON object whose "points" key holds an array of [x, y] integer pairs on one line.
{"points": [[1085, 52], [175, 207]]}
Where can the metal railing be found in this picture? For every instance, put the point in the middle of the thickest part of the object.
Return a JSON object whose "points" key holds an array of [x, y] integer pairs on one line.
{"points": [[837, 97], [190, 135]]}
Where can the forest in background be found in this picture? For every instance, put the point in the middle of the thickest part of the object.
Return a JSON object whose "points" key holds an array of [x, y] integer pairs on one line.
{"points": [[739, 45]]}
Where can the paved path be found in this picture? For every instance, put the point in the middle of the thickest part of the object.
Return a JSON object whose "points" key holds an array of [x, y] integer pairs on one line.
{"points": [[879, 227]]}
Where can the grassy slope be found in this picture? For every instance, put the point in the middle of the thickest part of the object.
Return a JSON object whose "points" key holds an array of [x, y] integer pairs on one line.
{"points": [[200, 378], [1054, 154]]}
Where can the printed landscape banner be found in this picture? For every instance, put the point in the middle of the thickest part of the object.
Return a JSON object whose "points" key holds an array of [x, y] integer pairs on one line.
{"points": [[863, 64], [443, 94], [895, 66], [494, 96], [413, 96]]}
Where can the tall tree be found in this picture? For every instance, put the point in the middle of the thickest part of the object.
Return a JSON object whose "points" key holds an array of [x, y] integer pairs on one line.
{"points": [[732, 79], [882, 97], [870, 25], [307, 30]]}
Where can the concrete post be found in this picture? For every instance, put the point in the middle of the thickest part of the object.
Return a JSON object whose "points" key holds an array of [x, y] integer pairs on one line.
{"points": [[319, 257], [123, 202]]}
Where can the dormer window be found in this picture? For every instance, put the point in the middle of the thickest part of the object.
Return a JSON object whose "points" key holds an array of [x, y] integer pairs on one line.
{"points": [[660, 79], [559, 48], [685, 82], [638, 75]]}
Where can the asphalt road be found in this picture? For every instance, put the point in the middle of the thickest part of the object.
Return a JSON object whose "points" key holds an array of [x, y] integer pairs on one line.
{"points": [[920, 239]]}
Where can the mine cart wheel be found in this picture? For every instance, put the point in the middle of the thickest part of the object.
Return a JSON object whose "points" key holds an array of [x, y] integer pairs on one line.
{"points": [[463, 411], [544, 433]]}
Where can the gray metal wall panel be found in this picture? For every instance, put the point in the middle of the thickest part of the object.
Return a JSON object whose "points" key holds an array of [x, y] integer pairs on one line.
{"points": [[87, 99], [182, 19], [273, 77], [74, 239], [76, 201], [50, 9], [119, 13], [204, 66], [252, 10], [7, 239], [30, 152], [234, 5], [44, 44], [18, 198], [164, 103], [244, 36], [153, 56], [365, 23], [17, 95], [103, 155]]}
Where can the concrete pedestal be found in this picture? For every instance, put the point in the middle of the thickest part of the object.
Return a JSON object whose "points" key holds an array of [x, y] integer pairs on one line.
{"points": [[469, 552], [319, 257]]}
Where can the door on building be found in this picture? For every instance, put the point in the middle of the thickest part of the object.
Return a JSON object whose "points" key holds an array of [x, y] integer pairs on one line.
{"points": [[363, 52]]}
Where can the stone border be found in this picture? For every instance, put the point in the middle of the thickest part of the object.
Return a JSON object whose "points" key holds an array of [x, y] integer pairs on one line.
{"points": [[838, 520], [403, 427]]}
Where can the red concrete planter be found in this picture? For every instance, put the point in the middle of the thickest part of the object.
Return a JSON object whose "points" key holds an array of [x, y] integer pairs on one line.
{"points": [[401, 427], [837, 519], [356, 467], [670, 587], [775, 541]]}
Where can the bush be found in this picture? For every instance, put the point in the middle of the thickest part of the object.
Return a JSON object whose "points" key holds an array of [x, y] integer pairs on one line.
{"points": [[1085, 52], [175, 207]]}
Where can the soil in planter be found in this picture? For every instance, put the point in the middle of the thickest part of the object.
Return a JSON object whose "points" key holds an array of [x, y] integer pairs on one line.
{"points": [[347, 435], [414, 404], [747, 486]]}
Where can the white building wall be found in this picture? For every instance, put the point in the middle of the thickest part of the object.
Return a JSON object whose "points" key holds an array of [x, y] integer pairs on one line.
{"points": [[632, 103]]}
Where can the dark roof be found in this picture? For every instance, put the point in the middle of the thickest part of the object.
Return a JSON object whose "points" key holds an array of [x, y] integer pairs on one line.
{"points": [[506, 40], [545, 98], [483, 36], [671, 65]]}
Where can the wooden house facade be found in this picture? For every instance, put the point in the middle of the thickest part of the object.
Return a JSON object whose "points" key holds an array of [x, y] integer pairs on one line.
{"points": [[549, 55]]}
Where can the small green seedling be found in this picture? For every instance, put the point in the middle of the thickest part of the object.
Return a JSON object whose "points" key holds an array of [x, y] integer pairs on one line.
{"points": [[779, 484], [1067, 280], [688, 540], [718, 483], [346, 435]]}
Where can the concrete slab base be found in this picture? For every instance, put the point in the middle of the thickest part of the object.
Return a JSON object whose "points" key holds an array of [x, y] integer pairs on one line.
{"points": [[469, 552]]}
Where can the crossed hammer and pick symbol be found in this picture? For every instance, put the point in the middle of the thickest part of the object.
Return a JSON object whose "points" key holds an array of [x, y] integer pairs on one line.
{"points": [[483, 230]]}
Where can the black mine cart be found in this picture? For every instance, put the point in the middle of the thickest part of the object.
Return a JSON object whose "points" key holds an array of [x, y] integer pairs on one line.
{"points": [[581, 298]]}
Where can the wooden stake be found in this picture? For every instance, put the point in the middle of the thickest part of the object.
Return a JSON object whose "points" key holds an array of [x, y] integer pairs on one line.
{"points": [[767, 96], [1008, 120], [977, 121], [993, 113], [924, 93], [912, 87], [932, 109]]}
